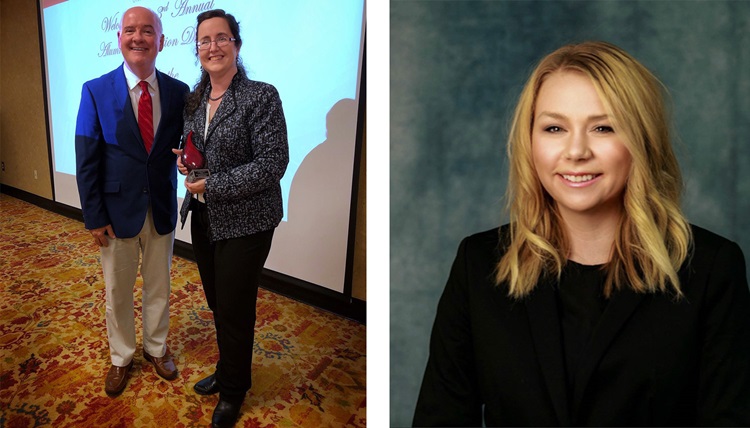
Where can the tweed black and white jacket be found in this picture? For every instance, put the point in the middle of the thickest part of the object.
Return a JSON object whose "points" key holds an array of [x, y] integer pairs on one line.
{"points": [[247, 152]]}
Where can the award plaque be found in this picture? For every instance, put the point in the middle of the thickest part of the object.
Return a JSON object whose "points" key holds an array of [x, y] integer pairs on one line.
{"points": [[193, 160]]}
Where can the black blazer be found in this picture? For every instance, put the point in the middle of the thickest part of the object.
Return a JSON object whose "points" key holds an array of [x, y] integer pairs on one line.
{"points": [[247, 152], [651, 361]]}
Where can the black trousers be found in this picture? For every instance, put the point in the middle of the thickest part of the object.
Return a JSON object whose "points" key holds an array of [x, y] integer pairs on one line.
{"points": [[230, 271]]}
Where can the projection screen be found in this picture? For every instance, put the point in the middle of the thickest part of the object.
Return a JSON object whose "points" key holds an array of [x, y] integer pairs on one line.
{"points": [[311, 51]]}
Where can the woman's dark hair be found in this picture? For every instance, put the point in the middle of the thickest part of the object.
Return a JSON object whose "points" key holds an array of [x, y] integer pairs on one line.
{"points": [[193, 99]]}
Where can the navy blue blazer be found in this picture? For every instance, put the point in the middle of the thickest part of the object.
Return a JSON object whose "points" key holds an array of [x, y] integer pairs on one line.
{"points": [[117, 178], [651, 361]]}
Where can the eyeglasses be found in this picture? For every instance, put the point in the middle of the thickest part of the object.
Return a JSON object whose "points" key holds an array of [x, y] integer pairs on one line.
{"points": [[221, 42]]}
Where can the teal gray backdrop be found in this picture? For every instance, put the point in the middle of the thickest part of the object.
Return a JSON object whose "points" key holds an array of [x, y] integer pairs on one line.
{"points": [[456, 69]]}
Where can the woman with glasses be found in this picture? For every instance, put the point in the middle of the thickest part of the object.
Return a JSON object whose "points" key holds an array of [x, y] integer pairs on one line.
{"points": [[237, 126], [599, 304]]}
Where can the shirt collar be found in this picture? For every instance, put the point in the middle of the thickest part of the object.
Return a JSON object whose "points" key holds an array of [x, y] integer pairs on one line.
{"points": [[134, 80]]}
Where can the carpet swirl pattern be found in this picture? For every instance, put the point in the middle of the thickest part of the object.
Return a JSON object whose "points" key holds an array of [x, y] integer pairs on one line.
{"points": [[308, 368]]}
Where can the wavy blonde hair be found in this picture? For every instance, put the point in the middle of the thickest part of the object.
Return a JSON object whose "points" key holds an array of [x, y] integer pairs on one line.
{"points": [[654, 237]]}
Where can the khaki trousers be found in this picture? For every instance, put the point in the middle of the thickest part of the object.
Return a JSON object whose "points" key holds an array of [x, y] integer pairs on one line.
{"points": [[120, 261]]}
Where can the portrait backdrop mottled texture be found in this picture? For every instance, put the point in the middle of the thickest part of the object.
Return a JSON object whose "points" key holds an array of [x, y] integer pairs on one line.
{"points": [[457, 68]]}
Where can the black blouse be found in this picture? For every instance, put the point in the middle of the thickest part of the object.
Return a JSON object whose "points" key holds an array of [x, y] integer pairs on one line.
{"points": [[581, 303]]}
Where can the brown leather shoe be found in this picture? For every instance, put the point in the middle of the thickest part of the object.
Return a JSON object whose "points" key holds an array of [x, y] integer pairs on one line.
{"points": [[164, 366], [117, 378]]}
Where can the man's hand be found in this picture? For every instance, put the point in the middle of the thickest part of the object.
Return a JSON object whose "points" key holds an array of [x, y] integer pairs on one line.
{"points": [[100, 235]]}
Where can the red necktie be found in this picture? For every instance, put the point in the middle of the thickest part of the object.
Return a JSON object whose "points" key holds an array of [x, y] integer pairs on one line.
{"points": [[146, 116]]}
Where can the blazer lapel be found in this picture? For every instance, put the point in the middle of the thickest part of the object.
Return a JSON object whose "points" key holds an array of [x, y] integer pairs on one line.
{"points": [[620, 307], [166, 104], [227, 106], [544, 322], [122, 95]]}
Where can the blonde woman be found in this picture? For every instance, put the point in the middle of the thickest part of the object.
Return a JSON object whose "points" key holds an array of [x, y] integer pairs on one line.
{"points": [[599, 304]]}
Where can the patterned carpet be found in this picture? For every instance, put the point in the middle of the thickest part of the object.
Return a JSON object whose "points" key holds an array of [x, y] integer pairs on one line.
{"points": [[308, 368]]}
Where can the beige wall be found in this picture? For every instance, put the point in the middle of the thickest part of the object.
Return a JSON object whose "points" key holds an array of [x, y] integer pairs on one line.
{"points": [[23, 134]]}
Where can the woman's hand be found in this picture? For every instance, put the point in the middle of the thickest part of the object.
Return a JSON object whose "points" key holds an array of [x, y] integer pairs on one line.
{"points": [[180, 166], [198, 186]]}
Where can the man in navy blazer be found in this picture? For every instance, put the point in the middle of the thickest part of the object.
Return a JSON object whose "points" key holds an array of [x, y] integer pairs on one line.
{"points": [[127, 184]]}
